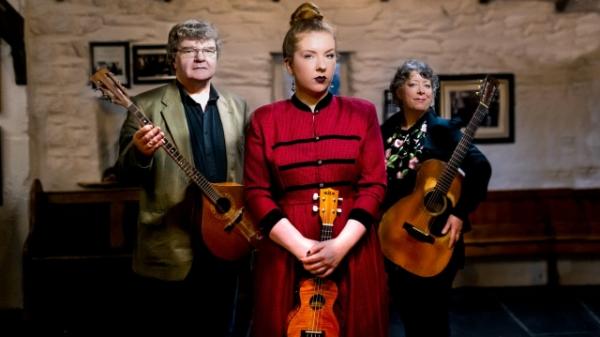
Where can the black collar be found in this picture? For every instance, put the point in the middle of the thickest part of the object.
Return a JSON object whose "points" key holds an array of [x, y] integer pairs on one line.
{"points": [[324, 102]]}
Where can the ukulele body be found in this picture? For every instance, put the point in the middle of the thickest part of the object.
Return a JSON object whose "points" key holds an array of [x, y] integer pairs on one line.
{"points": [[317, 297]]}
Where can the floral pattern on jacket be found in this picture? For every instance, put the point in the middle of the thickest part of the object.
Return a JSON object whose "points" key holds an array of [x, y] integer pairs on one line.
{"points": [[403, 150]]}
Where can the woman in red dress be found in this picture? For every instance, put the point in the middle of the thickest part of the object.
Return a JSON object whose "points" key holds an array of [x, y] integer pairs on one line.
{"points": [[294, 148]]}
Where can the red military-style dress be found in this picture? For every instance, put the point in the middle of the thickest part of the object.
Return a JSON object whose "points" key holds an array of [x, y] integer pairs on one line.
{"points": [[291, 153]]}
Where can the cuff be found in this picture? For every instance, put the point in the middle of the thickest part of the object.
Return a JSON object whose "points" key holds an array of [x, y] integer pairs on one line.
{"points": [[361, 216], [269, 220]]}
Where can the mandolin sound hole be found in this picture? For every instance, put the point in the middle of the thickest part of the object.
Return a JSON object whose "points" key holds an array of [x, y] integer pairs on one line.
{"points": [[223, 205], [317, 302]]}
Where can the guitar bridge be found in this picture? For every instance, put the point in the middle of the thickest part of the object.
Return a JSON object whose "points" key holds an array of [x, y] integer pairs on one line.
{"points": [[418, 234]]}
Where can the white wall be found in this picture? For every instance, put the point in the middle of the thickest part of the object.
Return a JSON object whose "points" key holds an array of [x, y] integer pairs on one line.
{"points": [[554, 57], [14, 156]]}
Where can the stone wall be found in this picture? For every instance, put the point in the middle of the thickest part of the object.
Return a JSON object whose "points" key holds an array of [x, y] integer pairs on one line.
{"points": [[553, 56]]}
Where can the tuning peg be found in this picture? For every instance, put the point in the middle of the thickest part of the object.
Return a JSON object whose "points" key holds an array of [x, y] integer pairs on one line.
{"points": [[316, 196], [315, 208], [339, 211], [340, 199]]}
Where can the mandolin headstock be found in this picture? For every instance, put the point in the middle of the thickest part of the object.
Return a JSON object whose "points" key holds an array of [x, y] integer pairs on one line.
{"points": [[110, 87]]}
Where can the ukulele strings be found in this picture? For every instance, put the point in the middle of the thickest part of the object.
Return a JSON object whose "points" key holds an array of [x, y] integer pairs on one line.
{"points": [[316, 320]]}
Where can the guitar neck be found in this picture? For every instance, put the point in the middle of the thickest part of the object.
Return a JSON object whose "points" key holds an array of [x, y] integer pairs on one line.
{"points": [[185, 165], [451, 169]]}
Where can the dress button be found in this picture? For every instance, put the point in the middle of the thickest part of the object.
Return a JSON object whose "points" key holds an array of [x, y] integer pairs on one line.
{"points": [[321, 185], [317, 138], [319, 162]]}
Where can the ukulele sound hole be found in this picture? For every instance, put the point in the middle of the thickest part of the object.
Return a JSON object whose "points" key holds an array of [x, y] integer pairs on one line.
{"points": [[317, 302], [223, 205]]}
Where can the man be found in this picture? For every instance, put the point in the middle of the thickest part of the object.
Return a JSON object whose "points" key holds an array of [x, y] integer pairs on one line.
{"points": [[178, 277]]}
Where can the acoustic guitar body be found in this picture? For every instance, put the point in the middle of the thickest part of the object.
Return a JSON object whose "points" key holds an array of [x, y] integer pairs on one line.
{"points": [[410, 230], [317, 297], [226, 229]]}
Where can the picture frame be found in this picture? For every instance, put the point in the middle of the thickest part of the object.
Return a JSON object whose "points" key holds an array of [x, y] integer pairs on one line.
{"points": [[457, 98], [389, 106], [283, 82], [150, 64], [114, 56], [1, 171]]}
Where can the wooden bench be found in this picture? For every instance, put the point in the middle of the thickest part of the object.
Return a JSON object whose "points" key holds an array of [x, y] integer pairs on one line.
{"points": [[77, 258], [548, 224]]}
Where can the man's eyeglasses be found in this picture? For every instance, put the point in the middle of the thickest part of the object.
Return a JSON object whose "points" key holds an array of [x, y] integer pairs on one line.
{"points": [[195, 52]]}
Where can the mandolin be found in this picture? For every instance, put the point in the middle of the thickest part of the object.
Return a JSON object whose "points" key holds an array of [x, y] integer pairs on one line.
{"points": [[315, 317], [226, 229], [410, 230]]}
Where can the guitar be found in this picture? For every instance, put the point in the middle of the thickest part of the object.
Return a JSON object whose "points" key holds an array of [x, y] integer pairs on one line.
{"points": [[315, 317], [226, 230], [410, 230]]}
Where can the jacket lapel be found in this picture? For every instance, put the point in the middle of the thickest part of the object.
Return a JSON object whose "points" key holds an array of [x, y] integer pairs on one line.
{"points": [[175, 121]]}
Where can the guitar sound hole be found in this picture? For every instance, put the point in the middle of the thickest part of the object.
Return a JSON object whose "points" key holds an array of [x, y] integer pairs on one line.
{"points": [[317, 302], [223, 205], [435, 203]]}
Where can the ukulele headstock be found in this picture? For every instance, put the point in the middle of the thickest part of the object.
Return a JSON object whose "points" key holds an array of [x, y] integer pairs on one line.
{"points": [[328, 205]]}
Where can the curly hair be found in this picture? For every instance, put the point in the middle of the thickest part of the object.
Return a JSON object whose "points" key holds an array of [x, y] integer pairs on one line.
{"points": [[403, 74]]}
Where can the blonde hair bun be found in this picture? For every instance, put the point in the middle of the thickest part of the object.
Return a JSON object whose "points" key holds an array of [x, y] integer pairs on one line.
{"points": [[308, 11]]}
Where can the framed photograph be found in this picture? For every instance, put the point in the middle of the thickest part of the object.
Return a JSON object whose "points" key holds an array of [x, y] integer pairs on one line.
{"points": [[283, 86], [114, 56], [150, 64], [457, 98], [389, 106], [1, 173]]}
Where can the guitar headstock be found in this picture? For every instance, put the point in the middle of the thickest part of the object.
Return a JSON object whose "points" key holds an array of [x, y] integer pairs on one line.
{"points": [[110, 87], [487, 90], [328, 205]]}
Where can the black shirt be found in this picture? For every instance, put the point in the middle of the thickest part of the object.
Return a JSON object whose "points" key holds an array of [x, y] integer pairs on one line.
{"points": [[206, 135]]}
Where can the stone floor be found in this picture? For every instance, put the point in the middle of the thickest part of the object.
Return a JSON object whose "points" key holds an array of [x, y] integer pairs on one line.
{"points": [[522, 312]]}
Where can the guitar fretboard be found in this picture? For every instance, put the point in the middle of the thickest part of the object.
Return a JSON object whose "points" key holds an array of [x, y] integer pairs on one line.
{"points": [[488, 91]]}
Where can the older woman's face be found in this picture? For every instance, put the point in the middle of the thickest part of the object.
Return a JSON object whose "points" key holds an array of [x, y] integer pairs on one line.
{"points": [[313, 63], [416, 94]]}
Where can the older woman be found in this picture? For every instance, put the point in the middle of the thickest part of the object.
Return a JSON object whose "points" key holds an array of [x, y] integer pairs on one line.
{"points": [[411, 136]]}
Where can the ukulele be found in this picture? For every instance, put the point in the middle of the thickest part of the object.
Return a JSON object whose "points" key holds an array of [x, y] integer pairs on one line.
{"points": [[314, 317], [226, 229], [410, 230]]}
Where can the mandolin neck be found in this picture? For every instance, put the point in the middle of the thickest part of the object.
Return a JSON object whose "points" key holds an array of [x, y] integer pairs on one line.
{"points": [[185, 165]]}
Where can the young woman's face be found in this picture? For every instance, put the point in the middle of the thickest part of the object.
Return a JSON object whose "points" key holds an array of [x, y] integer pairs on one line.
{"points": [[313, 64], [416, 93]]}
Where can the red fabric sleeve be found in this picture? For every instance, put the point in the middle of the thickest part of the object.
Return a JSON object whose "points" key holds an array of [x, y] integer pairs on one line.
{"points": [[257, 181], [373, 178]]}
